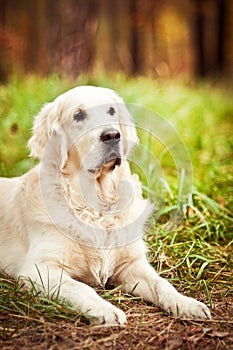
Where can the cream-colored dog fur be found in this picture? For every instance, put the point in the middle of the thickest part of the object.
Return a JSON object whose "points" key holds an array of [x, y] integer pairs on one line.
{"points": [[76, 220]]}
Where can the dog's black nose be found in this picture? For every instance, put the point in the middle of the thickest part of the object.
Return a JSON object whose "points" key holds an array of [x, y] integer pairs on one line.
{"points": [[111, 135]]}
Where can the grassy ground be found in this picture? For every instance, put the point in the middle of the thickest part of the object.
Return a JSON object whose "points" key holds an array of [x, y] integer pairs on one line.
{"points": [[196, 257]]}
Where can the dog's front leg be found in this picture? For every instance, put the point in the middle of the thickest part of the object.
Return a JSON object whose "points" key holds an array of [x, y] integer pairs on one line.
{"points": [[141, 279], [55, 282]]}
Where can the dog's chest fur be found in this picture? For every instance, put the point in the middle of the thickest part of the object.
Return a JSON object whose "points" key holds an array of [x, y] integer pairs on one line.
{"points": [[94, 266], [103, 267]]}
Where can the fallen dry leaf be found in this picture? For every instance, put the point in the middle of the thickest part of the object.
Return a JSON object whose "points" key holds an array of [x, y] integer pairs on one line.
{"points": [[217, 334], [194, 329]]}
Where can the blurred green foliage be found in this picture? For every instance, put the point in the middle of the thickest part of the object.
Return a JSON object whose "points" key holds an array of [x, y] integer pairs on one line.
{"points": [[201, 113]]}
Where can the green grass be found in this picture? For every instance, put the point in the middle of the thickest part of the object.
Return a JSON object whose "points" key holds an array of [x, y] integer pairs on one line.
{"points": [[196, 256]]}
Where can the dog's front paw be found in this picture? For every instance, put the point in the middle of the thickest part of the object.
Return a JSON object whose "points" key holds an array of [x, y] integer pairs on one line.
{"points": [[106, 314], [186, 307]]}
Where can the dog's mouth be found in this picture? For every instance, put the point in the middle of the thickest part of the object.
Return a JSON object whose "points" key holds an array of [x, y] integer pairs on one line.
{"points": [[108, 164], [112, 163]]}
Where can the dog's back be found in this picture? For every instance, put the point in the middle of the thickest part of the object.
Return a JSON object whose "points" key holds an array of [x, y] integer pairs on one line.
{"points": [[14, 211]]}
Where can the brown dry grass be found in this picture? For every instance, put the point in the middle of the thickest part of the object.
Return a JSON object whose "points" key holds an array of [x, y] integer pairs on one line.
{"points": [[147, 328], [205, 271]]}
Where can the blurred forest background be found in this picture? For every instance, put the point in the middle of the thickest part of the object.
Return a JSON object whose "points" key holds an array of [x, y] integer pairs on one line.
{"points": [[175, 58], [168, 38]]}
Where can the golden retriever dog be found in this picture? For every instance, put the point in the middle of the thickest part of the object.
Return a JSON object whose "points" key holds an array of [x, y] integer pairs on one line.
{"points": [[76, 220]]}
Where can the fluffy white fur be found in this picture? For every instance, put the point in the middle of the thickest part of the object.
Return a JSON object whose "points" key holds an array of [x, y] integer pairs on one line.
{"points": [[76, 220]]}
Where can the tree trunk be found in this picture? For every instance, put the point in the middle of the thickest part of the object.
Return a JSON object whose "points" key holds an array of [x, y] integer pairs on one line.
{"points": [[3, 65], [199, 21]]}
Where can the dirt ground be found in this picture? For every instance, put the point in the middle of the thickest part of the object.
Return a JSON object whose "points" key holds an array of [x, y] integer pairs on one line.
{"points": [[147, 328]]}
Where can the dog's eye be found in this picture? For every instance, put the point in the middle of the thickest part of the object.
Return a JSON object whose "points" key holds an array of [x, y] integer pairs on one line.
{"points": [[80, 115], [111, 111]]}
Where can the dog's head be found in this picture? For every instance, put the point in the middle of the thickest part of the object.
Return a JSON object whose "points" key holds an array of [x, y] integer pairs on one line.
{"points": [[87, 127]]}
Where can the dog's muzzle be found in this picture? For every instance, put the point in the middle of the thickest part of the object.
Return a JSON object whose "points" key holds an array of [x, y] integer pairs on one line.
{"points": [[110, 136], [110, 139]]}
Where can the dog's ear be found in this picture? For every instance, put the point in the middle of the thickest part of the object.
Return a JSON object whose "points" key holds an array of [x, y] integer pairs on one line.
{"points": [[49, 138], [44, 125], [58, 147]]}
